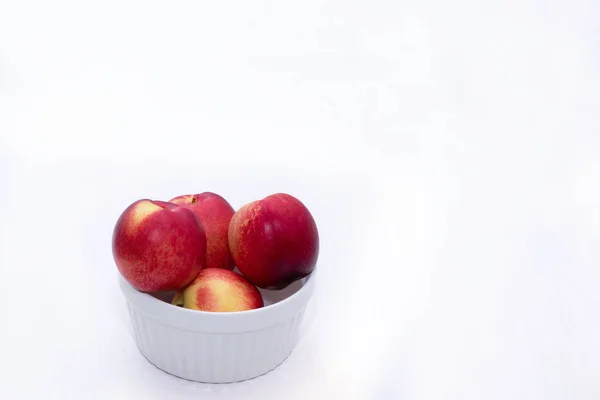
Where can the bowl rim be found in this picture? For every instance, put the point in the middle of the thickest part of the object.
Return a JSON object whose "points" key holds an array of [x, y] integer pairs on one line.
{"points": [[219, 322]]}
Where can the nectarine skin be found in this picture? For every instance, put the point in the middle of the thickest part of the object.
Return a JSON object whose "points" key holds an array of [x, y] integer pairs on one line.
{"points": [[158, 245], [219, 290], [214, 212], [274, 241]]}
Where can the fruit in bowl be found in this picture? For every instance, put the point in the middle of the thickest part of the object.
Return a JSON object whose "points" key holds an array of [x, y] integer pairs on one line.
{"points": [[219, 290], [214, 212], [274, 241], [187, 248], [158, 245]]}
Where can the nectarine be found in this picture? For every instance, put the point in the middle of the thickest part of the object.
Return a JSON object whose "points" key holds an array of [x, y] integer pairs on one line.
{"points": [[158, 245], [219, 290], [274, 241], [214, 212]]}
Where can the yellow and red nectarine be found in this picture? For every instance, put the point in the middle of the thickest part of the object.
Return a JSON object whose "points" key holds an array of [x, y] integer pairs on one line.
{"points": [[219, 290]]}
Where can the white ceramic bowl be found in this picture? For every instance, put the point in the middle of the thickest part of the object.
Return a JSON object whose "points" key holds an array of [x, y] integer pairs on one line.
{"points": [[217, 347]]}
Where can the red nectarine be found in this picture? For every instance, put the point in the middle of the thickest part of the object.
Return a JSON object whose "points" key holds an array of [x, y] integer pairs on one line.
{"points": [[158, 245], [214, 212], [274, 241]]}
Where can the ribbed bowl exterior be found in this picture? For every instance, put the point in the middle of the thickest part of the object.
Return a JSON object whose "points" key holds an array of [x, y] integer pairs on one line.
{"points": [[215, 348], [214, 358]]}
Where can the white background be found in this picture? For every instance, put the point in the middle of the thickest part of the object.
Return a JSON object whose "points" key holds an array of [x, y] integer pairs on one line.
{"points": [[448, 150]]}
